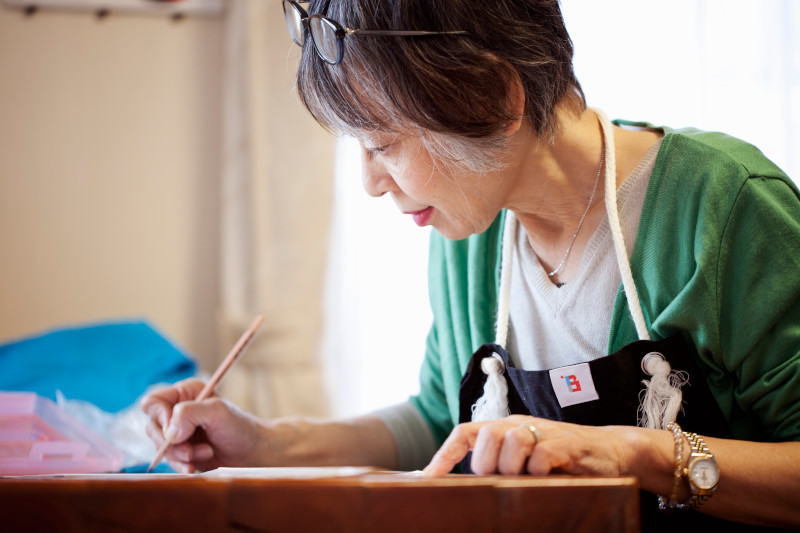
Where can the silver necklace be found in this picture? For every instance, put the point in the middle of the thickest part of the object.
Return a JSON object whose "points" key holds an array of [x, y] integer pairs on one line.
{"points": [[585, 212]]}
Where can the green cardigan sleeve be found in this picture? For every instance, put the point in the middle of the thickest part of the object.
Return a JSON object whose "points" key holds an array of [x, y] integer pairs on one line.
{"points": [[717, 258], [463, 278], [758, 304]]}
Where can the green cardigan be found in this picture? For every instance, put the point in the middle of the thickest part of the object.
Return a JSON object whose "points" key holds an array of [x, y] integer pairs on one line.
{"points": [[716, 257]]}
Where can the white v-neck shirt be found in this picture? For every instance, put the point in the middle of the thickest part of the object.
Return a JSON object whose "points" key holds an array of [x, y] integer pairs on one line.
{"points": [[551, 326]]}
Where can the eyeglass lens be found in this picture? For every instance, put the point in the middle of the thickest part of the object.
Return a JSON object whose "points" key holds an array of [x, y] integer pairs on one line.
{"points": [[323, 33], [294, 19]]}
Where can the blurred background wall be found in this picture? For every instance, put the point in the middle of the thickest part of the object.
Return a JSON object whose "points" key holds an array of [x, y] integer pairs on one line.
{"points": [[109, 163], [136, 152]]}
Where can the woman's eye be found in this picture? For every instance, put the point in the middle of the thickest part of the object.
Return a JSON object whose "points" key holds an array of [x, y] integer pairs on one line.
{"points": [[372, 152], [381, 148]]}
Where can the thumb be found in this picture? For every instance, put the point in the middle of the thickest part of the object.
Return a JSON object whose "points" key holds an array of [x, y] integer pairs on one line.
{"points": [[453, 450], [186, 418]]}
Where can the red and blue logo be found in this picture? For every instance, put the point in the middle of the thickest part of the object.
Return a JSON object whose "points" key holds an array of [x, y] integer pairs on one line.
{"points": [[572, 383]]}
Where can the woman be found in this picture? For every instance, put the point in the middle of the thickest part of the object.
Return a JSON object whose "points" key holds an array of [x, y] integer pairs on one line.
{"points": [[575, 259]]}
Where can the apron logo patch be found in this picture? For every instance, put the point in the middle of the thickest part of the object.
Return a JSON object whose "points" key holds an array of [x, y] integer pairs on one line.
{"points": [[573, 384]]}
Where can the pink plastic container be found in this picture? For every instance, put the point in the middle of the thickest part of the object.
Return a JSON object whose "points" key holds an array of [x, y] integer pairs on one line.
{"points": [[38, 437]]}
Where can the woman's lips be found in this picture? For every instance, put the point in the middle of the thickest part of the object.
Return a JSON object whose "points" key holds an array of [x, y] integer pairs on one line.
{"points": [[422, 216]]}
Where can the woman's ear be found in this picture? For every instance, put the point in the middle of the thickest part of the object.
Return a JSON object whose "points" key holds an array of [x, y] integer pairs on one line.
{"points": [[515, 103]]}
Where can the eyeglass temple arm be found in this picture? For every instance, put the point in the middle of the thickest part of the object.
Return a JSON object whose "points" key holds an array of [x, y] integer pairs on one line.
{"points": [[401, 32]]}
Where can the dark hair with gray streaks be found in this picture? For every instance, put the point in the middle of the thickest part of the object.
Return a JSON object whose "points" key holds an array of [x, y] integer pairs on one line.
{"points": [[450, 89]]}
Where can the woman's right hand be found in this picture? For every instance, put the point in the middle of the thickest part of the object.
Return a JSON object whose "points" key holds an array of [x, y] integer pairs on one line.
{"points": [[205, 435], [215, 433]]}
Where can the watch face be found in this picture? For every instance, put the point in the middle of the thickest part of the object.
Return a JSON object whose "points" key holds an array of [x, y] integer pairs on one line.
{"points": [[704, 474]]}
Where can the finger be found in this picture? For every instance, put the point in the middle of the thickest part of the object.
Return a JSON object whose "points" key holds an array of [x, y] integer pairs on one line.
{"points": [[538, 464], [155, 433], [187, 417], [163, 402], [181, 467], [518, 444], [547, 458], [487, 448], [158, 414], [155, 406], [182, 423], [180, 453], [187, 389], [186, 452], [159, 403], [454, 449], [202, 453], [188, 458]]}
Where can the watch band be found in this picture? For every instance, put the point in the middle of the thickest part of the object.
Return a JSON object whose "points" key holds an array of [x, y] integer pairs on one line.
{"points": [[702, 472]]}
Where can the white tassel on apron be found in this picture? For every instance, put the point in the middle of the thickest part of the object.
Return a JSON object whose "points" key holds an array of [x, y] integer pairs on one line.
{"points": [[660, 401], [493, 404]]}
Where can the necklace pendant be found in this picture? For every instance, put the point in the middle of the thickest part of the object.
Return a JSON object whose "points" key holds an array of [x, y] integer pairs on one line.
{"points": [[585, 212]]}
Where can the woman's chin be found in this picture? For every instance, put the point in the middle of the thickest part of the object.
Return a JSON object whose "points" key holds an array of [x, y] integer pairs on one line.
{"points": [[453, 233]]}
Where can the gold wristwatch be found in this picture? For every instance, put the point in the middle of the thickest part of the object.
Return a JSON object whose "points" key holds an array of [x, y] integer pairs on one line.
{"points": [[702, 471]]}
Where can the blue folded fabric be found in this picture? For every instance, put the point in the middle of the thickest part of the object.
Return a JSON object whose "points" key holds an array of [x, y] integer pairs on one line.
{"points": [[109, 364]]}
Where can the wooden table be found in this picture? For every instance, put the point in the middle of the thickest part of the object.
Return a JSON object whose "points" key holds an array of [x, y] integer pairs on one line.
{"points": [[381, 502]]}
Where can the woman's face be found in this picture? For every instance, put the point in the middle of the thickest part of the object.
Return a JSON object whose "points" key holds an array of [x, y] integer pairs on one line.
{"points": [[457, 205]]}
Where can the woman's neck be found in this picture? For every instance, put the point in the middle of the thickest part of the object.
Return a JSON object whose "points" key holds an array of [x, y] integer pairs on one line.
{"points": [[554, 183]]}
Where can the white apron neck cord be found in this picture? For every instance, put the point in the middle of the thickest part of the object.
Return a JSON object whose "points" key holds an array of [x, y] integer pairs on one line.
{"points": [[660, 401], [493, 404]]}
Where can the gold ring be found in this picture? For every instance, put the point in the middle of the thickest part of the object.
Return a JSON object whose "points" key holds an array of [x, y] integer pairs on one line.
{"points": [[534, 432]]}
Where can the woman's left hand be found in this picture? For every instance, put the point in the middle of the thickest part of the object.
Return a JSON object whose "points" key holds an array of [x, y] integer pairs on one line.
{"points": [[760, 483], [510, 446]]}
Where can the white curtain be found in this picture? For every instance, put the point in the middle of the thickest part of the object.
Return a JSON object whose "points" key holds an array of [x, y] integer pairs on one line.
{"points": [[723, 65], [726, 65], [377, 312], [277, 183]]}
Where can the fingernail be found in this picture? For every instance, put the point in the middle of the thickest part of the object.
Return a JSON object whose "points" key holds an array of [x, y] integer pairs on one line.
{"points": [[203, 453], [171, 433], [181, 455]]}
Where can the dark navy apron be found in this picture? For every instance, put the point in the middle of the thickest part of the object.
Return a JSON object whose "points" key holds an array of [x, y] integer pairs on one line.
{"points": [[617, 379]]}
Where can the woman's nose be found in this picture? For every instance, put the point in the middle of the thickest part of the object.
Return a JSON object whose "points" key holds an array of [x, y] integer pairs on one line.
{"points": [[376, 180]]}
